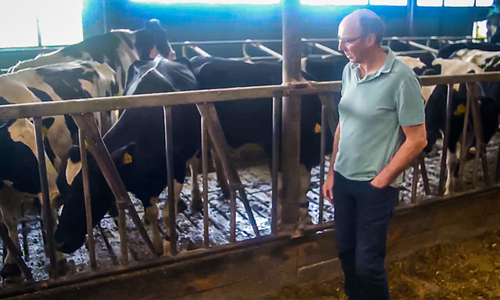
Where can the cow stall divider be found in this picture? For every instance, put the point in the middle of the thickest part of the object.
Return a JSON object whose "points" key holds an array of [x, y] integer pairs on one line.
{"points": [[318, 43], [82, 113]]}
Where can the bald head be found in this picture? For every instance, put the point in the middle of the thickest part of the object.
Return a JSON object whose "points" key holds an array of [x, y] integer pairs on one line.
{"points": [[363, 22]]}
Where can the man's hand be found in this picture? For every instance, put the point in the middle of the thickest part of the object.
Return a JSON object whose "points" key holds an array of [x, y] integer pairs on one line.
{"points": [[328, 188], [377, 182]]}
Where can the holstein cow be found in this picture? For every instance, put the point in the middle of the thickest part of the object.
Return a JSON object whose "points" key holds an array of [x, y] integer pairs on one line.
{"points": [[449, 50], [140, 157], [18, 156], [137, 145], [435, 119], [118, 48]]}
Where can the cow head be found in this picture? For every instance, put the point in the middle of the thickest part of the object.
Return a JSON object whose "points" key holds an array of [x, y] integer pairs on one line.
{"points": [[71, 230], [153, 40]]}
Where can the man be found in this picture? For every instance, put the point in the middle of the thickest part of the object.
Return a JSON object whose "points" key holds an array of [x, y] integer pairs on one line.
{"points": [[381, 131]]}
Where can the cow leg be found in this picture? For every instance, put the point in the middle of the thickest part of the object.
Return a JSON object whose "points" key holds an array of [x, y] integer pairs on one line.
{"points": [[305, 180], [196, 204], [10, 202], [60, 259], [152, 217], [166, 215], [452, 164], [221, 177], [24, 131]]}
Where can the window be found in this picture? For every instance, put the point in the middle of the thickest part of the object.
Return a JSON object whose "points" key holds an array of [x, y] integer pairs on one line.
{"points": [[389, 2], [429, 2], [334, 2], [261, 2], [484, 3], [458, 3], [59, 22]]}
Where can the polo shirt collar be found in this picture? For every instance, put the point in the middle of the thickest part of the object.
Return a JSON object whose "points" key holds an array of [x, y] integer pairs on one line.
{"points": [[386, 67]]}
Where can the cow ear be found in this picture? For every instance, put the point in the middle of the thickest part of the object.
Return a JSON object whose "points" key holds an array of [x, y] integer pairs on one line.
{"points": [[46, 124], [123, 155], [74, 164]]}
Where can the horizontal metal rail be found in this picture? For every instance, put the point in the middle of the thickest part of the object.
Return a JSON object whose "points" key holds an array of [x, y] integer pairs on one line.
{"points": [[320, 40], [26, 110]]}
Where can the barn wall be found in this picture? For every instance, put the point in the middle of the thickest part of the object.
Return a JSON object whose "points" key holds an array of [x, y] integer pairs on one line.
{"points": [[225, 22]]}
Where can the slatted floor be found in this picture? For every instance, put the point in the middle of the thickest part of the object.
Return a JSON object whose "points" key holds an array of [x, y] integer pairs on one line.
{"points": [[190, 227]]}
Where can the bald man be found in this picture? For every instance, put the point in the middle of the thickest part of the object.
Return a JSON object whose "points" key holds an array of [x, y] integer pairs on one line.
{"points": [[381, 131]]}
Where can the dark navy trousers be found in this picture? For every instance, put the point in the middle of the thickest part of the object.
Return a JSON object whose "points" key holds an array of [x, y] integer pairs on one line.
{"points": [[362, 215]]}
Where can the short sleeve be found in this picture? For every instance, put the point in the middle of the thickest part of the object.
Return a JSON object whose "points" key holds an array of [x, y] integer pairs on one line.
{"points": [[410, 103], [344, 75]]}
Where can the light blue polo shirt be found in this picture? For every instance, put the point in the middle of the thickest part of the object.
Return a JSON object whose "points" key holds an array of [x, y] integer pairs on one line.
{"points": [[371, 113]]}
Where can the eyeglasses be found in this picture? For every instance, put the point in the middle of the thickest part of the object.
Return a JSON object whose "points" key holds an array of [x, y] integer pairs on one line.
{"points": [[349, 41]]}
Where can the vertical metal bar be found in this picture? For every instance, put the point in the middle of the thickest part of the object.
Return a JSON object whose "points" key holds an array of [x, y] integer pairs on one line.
{"points": [[232, 205], [104, 17], [411, 13], [478, 131], [167, 111], [48, 222], [463, 150], [88, 208], [414, 184], [275, 165], [324, 111], [446, 138], [38, 32], [204, 160], [291, 115], [497, 170], [24, 231], [423, 170], [122, 229]]}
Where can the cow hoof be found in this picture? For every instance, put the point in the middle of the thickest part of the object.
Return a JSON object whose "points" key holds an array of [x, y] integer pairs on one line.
{"points": [[62, 268], [11, 273], [226, 194], [181, 206], [196, 207]]}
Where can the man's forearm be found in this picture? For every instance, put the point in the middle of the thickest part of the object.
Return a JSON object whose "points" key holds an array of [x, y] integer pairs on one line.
{"points": [[335, 149], [403, 158]]}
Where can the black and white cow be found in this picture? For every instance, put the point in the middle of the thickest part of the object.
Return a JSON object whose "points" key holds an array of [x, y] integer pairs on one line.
{"points": [[137, 146], [435, 120], [243, 121], [119, 48], [18, 155]]}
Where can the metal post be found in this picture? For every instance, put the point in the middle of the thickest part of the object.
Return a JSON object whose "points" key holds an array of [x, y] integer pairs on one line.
{"points": [[291, 113], [48, 222], [411, 13], [275, 165], [414, 183], [167, 111], [324, 111], [204, 160], [463, 147], [88, 208], [446, 139]]}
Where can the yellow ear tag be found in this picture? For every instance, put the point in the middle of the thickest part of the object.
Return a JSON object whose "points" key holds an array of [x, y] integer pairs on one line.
{"points": [[460, 110], [44, 131], [127, 159], [317, 129]]}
